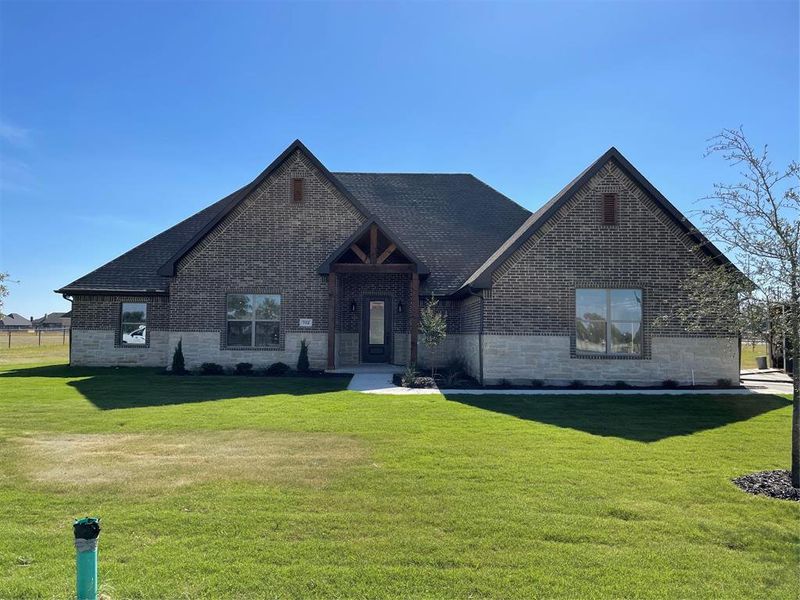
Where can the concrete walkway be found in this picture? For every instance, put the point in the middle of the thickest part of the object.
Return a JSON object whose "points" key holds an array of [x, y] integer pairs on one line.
{"points": [[768, 381], [377, 379]]}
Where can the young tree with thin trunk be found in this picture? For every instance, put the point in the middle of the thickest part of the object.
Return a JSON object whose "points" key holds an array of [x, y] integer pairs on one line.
{"points": [[757, 220], [432, 328]]}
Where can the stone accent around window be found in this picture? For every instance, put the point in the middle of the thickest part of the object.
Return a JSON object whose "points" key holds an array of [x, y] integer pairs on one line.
{"points": [[100, 348], [102, 313], [205, 346]]}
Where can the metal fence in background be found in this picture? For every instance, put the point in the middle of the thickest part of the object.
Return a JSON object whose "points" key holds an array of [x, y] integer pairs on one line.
{"points": [[11, 338]]}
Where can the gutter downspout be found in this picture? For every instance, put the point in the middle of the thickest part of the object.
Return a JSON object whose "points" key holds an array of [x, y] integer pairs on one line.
{"points": [[68, 298], [480, 334]]}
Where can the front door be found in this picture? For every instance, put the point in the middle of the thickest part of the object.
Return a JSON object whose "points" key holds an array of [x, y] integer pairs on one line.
{"points": [[376, 328]]}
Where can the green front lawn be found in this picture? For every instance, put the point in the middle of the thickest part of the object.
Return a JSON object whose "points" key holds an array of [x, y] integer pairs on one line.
{"points": [[19, 354], [749, 353], [223, 487]]}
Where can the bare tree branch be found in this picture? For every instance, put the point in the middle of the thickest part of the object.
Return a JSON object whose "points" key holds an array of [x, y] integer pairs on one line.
{"points": [[757, 221]]}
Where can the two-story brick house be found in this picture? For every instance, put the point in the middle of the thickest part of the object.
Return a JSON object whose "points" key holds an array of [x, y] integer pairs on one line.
{"points": [[343, 260]]}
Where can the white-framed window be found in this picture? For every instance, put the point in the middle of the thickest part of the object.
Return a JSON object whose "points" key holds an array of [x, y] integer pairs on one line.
{"points": [[253, 320], [133, 324], [608, 321]]}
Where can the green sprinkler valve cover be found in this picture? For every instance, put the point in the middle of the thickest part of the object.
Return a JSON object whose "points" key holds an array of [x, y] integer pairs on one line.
{"points": [[87, 528]]}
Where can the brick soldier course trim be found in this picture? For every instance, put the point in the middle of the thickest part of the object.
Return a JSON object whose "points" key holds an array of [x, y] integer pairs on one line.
{"points": [[506, 277]]}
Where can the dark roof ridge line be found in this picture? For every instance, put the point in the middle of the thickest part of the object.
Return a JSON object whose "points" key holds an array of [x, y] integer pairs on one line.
{"points": [[499, 193], [460, 174], [470, 175]]}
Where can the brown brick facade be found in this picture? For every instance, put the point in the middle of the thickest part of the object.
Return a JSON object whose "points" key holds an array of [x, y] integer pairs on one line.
{"points": [[533, 293], [522, 328], [354, 287], [269, 244], [471, 312], [92, 312]]}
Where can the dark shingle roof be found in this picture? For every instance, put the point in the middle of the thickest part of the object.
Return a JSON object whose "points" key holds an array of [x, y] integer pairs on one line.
{"points": [[457, 226], [452, 222], [137, 269], [14, 320], [54, 317]]}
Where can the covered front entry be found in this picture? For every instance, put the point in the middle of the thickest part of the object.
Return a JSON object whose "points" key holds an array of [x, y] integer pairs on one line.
{"points": [[376, 330], [373, 299]]}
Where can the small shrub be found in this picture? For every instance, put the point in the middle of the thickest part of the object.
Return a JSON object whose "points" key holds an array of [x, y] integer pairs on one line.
{"points": [[209, 368], [724, 383], [409, 376], [278, 369], [454, 374], [178, 363], [537, 383], [302, 360], [424, 382], [576, 384], [505, 383], [669, 384], [244, 368], [621, 385]]}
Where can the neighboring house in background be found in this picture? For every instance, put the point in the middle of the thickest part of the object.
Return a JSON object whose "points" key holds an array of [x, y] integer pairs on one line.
{"points": [[14, 321], [55, 320], [342, 260]]}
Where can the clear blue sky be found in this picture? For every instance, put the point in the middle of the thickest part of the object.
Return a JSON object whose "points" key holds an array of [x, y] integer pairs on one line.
{"points": [[119, 119]]}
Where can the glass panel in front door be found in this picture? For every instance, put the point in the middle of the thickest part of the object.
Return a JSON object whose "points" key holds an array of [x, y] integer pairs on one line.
{"points": [[376, 313]]}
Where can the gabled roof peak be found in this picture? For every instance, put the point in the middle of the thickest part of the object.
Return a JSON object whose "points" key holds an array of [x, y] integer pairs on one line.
{"points": [[325, 267], [168, 268], [482, 278]]}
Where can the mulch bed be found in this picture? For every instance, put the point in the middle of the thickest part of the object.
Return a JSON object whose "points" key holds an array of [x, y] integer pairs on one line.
{"points": [[468, 383], [316, 374], [775, 484]]}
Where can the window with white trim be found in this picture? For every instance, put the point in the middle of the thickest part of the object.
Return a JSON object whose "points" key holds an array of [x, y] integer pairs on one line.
{"points": [[133, 324], [253, 320], [608, 321]]}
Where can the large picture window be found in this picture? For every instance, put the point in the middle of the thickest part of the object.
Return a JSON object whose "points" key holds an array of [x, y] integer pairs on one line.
{"points": [[608, 321], [253, 320], [133, 324]]}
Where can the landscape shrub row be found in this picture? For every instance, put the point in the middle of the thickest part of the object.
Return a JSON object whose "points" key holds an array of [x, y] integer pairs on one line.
{"points": [[278, 369], [454, 377]]}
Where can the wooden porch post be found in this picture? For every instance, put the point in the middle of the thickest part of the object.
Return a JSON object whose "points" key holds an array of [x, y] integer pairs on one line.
{"points": [[414, 317], [331, 320], [373, 244]]}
